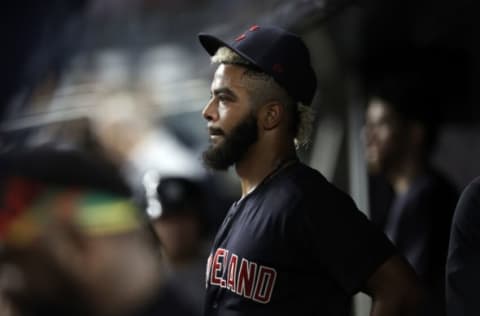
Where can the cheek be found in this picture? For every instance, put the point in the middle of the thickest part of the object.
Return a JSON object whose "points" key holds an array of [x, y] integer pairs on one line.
{"points": [[232, 115], [169, 233], [162, 230], [384, 135], [222, 111], [390, 145], [379, 144], [227, 118]]}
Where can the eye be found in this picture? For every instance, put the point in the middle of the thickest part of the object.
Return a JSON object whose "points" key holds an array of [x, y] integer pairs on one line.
{"points": [[224, 97]]}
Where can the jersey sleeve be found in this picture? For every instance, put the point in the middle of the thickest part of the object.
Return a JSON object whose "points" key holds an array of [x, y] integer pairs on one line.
{"points": [[463, 275], [343, 240]]}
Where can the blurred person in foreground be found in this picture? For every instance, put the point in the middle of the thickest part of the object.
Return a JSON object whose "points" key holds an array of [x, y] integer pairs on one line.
{"points": [[124, 124], [400, 134], [132, 131], [463, 261], [178, 213], [73, 241], [293, 244]]}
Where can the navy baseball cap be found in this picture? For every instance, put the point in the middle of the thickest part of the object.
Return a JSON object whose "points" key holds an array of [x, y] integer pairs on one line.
{"points": [[179, 195], [278, 53]]}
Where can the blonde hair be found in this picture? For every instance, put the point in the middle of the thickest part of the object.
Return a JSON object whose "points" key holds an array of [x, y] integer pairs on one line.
{"points": [[306, 118], [225, 55], [266, 89]]}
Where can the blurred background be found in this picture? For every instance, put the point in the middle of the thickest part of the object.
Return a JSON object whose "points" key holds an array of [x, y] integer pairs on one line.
{"points": [[106, 75], [60, 59]]}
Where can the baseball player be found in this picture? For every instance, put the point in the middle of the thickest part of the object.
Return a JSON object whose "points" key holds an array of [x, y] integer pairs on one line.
{"points": [[293, 244], [462, 273]]}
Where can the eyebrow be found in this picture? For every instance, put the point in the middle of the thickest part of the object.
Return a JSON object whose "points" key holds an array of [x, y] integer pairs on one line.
{"points": [[225, 90]]}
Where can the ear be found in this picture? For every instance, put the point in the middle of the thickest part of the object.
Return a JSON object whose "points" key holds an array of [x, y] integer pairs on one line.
{"points": [[270, 115]]}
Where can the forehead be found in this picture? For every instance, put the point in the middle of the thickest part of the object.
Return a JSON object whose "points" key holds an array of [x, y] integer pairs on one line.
{"points": [[229, 76], [379, 109]]}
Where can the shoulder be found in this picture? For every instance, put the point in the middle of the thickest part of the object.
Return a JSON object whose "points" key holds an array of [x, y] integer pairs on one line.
{"points": [[464, 253], [311, 191], [467, 212], [310, 183], [472, 189], [436, 183], [432, 193]]}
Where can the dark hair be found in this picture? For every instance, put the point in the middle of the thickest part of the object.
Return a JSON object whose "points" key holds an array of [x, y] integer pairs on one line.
{"points": [[413, 100]]}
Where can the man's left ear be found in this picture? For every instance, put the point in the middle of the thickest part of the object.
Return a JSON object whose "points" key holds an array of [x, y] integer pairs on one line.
{"points": [[271, 115]]}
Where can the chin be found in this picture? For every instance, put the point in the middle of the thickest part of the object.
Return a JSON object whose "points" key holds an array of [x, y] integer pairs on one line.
{"points": [[374, 167], [215, 143]]}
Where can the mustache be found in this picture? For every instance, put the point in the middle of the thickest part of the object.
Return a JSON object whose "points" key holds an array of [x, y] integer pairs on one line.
{"points": [[215, 131]]}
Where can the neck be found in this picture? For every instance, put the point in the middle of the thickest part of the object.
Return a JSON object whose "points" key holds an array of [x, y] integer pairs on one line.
{"points": [[404, 175], [260, 161]]}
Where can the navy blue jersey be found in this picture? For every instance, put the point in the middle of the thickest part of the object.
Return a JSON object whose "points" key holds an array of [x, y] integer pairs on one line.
{"points": [[295, 246], [463, 273]]}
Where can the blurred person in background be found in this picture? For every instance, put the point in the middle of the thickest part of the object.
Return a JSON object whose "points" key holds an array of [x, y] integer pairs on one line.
{"points": [[124, 124], [175, 185], [400, 134], [73, 240], [178, 212], [293, 243], [463, 262]]}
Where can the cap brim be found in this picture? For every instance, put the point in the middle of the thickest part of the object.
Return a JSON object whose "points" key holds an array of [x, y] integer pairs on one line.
{"points": [[212, 44]]}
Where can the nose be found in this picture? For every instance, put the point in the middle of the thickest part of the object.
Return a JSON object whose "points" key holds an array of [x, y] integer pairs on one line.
{"points": [[210, 112]]}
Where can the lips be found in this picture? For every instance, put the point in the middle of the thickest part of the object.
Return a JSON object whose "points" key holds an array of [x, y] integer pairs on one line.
{"points": [[214, 131], [215, 134]]}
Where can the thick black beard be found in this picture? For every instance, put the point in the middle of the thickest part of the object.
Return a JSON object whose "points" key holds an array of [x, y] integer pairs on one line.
{"points": [[234, 146]]}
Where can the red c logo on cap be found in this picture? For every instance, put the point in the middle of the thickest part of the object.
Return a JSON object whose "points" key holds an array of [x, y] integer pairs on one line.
{"points": [[241, 37], [252, 28]]}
